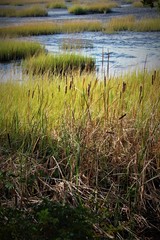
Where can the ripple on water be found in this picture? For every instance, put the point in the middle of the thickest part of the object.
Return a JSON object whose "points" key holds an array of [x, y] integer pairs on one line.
{"points": [[127, 50]]}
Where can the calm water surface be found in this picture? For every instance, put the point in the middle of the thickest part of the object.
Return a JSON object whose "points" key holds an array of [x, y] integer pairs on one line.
{"points": [[127, 50]]}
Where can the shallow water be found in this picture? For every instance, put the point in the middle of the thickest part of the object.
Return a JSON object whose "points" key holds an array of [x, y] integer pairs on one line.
{"points": [[127, 50]]}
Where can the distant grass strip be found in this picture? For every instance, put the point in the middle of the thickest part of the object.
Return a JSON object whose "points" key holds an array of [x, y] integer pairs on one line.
{"points": [[22, 2], [92, 8], [57, 4], [42, 28], [13, 49], [129, 23], [58, 64], [137, 4], [34, 11]]}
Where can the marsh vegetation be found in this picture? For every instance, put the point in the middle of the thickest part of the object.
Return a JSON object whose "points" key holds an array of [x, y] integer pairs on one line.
{"points": [[34, 11], [73, 138], [79, 154]]}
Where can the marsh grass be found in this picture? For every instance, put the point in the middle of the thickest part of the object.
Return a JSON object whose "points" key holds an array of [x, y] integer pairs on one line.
{"points": [[76, 139], [58, 64], [137, 4], [57, 4], [44, 28], [34, 11], [24, 2], [89, 8], [14, 49], [75, 44], [129, 23]]}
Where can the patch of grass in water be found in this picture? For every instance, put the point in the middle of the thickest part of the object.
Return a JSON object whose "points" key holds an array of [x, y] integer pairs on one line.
{"points": [[13, 49], [75, 44], [57, 4], [137, 3], [129, 23], [22, 2], [46, 28], [91, 8], [34, 11], [58, 64]]}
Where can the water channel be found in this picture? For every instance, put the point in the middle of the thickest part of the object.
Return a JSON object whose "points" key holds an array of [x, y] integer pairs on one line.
{"points": [[128, 51]]}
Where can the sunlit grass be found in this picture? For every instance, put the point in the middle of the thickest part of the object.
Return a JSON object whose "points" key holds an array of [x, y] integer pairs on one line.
{"points": [[22, 2], [87, 139], [57, 4], [58, 64], [129, 23], [92, 8], [43, 28], [137, 3], [34, 11], [120, 24], [14, 49]]}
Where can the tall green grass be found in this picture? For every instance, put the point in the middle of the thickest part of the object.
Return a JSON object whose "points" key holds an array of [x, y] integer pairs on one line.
{"points": [[76, 139], [34, 11], [58, 64], [14, 49]]}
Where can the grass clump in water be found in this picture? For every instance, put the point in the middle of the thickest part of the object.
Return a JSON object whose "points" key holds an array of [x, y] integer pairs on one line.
{"points": [[34, 11], [58, 64], [13, 49], [22, 2], [57, 4], [137, 3], [129, 23], [75, 44], [46, 28], [90, 8]]}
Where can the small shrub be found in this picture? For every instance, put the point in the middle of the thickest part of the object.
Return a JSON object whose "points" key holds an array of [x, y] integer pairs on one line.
{"points": [[47, 221]]}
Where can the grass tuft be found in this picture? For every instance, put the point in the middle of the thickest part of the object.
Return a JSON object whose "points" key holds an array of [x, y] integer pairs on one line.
{"points": [[34, 11], [91, 8], [129, 23], [57, 4], [24, 2], [14, 49], [58, 64]]}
